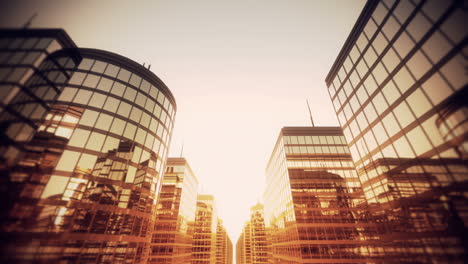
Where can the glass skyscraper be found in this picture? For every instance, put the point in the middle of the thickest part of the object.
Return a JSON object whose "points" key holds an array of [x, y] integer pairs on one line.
{"points": [[204, 237], [315, 211], [252, 243], [399, 88], [244, 245], [88, 177], [171, 239], [223, 245]]}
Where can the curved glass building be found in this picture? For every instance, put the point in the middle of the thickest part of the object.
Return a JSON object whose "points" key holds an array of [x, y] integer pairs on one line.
{"points": [[99, 156]]}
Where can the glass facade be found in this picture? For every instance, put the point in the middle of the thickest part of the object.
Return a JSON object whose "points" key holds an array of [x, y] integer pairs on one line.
{"points": [[172, 235], [259, 240], [204, 238], [314, 206], [399, 88], [32, 67], [244, 245], [95, 163], [223, 245], [252, 244]]}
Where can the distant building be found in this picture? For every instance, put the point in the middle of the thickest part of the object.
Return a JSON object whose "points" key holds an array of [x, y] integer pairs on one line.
{"points": [[172, 237], [399, 88], [315, 210], [223, 245], [252, 244], [82, 179], [204, 238], [244, 245]]}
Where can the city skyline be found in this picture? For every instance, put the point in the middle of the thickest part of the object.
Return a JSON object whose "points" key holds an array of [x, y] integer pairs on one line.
{"points": [[274, 45], [340, 126]]}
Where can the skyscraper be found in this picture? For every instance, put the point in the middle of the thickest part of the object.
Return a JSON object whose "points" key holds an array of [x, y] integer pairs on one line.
{"points": [[88, 177], [172, 236], [204, 238], [258, 234], [399, 88], [244, 245], [252, 244], [223, 245], [313, 200], [32, 68]]}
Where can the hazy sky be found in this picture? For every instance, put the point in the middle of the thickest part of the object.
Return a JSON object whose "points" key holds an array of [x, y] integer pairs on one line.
{"points": [[239, 70]]}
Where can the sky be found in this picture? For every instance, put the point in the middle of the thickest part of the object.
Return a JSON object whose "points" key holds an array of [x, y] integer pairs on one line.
{"points": [[239, 70]]}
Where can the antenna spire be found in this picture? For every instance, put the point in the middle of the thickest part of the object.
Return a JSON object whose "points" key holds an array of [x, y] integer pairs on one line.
{"points": [[30, 20], [182, 149], [310, 113]]}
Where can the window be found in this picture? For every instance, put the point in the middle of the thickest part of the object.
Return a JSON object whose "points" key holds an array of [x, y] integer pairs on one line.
{"points": [[88, 118], [418, 27], [85, 64], [135, 80], [403, 10], [117, 126], [67, 161], [403, 80], [104, 121], [418, 102], [391, 60], [82, 97], [55, 186], [380, 43], [436, 89], [95, 141], [105, 84], [455, 27], [112, 70], [379, 73], [111, 104], [419, 141], [67, 94], [77, 78], [403, 148], [436, 47], [124, 109], [97, 100], [370, 28], [118, 89], [370, 112], [370, 56], [418, 64], [130, 94], [455, 71], [136, 114], [403, 44], [391, 27], [123, 75], [391, 125], [403, 114], [390, 92], [130, 131]]}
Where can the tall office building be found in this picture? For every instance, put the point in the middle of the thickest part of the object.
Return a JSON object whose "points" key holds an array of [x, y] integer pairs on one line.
{"points": [[172, 235], [252, 244], [223, 245], [399, 88], [258, 234], [244, 245], [204, 237], [32, 68], [89, 175], [315, 210]]}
